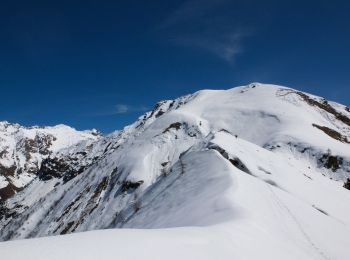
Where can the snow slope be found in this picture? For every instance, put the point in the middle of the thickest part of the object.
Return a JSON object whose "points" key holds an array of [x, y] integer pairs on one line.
{"points": [[254, 171], [234, 210], [172, 244]]}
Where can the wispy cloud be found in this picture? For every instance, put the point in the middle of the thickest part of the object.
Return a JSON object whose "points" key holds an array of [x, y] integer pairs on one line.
{"points": [[189, 10], [226, 46], [203, 24], [121, 109]]}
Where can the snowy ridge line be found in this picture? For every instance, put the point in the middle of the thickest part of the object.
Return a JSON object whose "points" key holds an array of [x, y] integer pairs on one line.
{"points": [[210, 160]]}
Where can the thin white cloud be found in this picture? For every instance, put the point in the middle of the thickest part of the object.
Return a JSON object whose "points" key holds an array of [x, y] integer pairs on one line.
{"points": [[200, 24], [226, 46], [121, 109]]}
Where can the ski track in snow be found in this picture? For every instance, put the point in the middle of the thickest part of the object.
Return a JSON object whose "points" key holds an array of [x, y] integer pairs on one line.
{"points": [[285, 208]]}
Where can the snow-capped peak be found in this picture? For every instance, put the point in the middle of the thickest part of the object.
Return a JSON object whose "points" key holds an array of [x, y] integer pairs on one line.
{"points": [[24, 148], [257, 164]]}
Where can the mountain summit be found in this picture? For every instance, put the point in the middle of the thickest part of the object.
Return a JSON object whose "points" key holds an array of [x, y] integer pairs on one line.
{"points": [[260, 166]]}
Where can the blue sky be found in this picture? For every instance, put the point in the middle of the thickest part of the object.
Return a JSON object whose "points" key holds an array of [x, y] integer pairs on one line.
{"points": [[101, 64]]}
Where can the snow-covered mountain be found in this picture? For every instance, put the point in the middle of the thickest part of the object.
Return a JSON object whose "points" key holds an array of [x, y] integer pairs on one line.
{"points": [[23, 149], [259, 165]]}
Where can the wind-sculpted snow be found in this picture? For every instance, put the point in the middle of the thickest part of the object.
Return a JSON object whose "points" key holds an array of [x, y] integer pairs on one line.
{"points": [[258, 165]]}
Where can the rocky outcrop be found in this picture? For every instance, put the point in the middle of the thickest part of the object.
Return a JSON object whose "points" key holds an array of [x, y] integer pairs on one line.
{"points": [[24, 150]]}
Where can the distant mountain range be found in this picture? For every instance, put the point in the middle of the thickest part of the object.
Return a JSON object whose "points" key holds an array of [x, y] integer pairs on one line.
{"points": [[261, 166]]}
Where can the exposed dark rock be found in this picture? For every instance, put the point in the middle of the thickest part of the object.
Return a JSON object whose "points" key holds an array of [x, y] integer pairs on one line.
{"points": [[175, 126], [129, 186], [8, 191], [220, 150], [107, 147], [4, 152], [40, 144], [239, 164], [235, 161], [6, 212], [332, 133], [326, 107], [115, 171], [91, 205], [4, 171], [164, 164], [66, 229], [156, 110], [72, 174], [161, 112], [347, 184], [180, 104], [101, 186], [331, 162], [66, 168], [304, 149], [74, 204], [52, 168], [171, 104]]}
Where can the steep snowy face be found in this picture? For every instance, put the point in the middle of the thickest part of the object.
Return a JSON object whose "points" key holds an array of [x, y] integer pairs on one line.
{"points": [[237, 159], [22, 151]]}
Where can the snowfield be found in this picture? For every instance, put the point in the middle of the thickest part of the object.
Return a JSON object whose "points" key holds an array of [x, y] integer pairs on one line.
{"points": [[253, 172], [125, 244]]}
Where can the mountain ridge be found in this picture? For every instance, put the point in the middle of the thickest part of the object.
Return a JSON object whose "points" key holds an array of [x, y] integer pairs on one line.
{"points": [[205, 160]]}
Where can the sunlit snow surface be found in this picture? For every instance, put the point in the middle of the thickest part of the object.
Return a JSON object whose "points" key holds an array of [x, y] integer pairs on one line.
{"points": [[223, 193]]}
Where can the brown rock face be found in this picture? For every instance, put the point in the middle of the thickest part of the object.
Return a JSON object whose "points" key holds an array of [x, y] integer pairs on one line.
{"points": [[8, 191]]}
